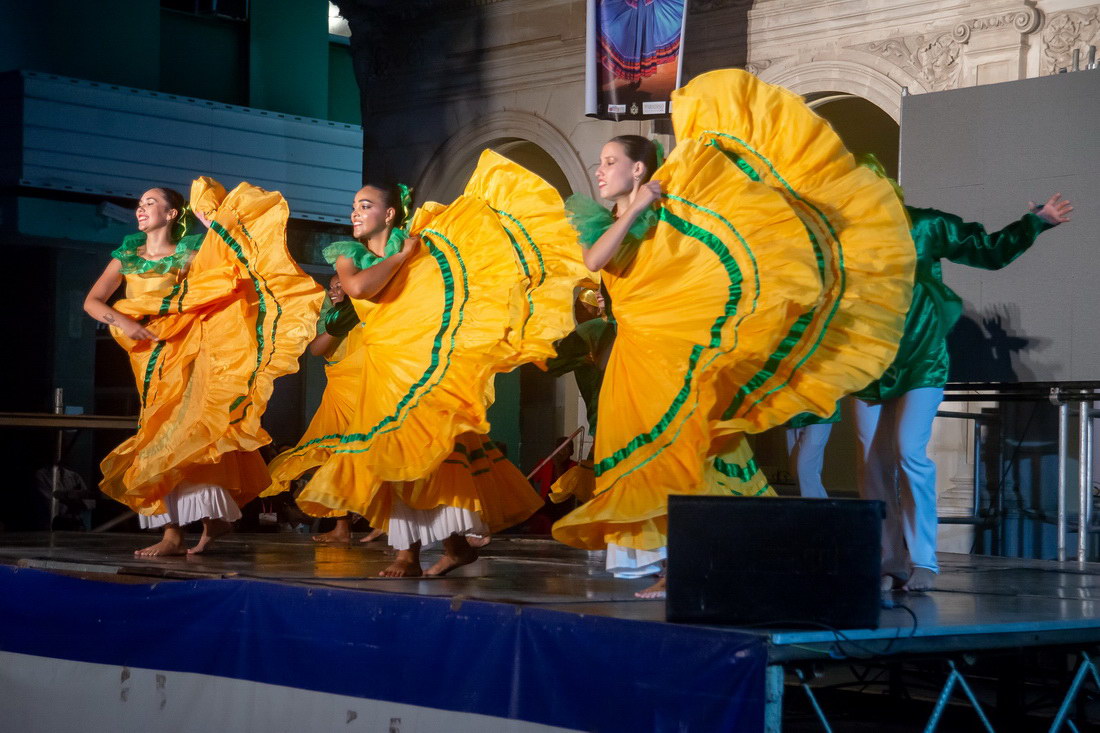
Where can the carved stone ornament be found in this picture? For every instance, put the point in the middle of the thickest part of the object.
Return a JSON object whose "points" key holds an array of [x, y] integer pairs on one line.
{"points": [[758, 66], [1066, 31], [1025, 21], [933, 57]]}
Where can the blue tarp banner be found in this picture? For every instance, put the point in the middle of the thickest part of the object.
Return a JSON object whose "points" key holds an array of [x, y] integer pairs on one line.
{"points": [[580, 672]]}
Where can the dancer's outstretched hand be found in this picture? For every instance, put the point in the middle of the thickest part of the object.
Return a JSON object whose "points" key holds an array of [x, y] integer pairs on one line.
{"points": [[1055, 211]]}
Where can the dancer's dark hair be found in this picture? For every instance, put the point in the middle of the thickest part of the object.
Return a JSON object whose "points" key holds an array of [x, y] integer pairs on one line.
{"points": [[185, 219], [640, 150], [396, 195]]}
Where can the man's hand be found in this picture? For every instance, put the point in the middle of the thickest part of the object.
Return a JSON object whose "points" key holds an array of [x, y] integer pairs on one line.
{"points": [[1055, 211]]}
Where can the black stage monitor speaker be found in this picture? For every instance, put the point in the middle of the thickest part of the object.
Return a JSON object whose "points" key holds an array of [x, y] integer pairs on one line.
{"points": [[774, 562]]}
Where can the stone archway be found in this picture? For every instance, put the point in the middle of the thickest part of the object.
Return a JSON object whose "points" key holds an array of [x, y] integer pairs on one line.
{"points": [[452, 163], [863, 126], [872, 79]]}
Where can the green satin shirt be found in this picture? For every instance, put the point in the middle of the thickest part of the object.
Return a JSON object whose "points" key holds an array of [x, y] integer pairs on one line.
{"points": [[585, 352], [922, 359]]}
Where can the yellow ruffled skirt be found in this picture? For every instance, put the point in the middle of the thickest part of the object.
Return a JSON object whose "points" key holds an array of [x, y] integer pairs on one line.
{"points": [[334, 413], [544, 248], [239, 318], [578, 482], [776, 281], [485, 293]]}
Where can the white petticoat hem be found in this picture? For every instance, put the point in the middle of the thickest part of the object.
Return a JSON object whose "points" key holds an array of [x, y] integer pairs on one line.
{"points": [[192, 502]]}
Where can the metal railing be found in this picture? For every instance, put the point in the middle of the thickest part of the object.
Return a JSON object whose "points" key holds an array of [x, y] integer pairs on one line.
{"points": [[1063, 395], [979, 419]]}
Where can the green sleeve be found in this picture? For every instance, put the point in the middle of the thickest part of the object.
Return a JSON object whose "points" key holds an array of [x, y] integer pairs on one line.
{"points": [[573, 352], [341, 318], [968, 243], [808, 418], [126, 251], [132, 262], [191, 242], [355, 251], [588, 218]]}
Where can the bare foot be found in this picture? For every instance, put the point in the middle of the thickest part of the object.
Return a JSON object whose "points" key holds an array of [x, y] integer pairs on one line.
{"points": [[921, 580], [891, 582], [338, 535], [456, 553], [170, 544], [407, 565], [655, 592], [479, 542], [375, 534], [212, 529]]}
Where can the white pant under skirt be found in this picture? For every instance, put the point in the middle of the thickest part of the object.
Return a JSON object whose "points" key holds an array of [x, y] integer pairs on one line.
{"points": [[192, 502], [626, 562], [428, 526]]}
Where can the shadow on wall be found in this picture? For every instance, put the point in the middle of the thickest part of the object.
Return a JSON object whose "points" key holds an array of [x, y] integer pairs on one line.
{"points": [[399, 50], [985, 347], [1020, 457]]}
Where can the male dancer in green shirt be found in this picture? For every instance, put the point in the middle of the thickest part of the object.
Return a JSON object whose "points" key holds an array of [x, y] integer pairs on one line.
{"points": [[894, 414]]}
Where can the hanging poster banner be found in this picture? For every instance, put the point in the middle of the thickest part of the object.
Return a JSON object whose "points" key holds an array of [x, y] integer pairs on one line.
{"points": [[634, 57]]}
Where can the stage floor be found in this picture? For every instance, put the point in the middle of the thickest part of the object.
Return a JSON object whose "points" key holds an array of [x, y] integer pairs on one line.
{"points": [[980, 603]]}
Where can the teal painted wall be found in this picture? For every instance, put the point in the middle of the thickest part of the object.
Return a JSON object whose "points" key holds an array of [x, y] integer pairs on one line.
{"points": [[116, 42], [205, 58], [343, 90], [74, 331], [504, 415], [72, 224], [288, 56], [81, 240], [280, 59]]}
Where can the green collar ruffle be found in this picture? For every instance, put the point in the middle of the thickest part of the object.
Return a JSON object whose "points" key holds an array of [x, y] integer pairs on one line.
{"points": [[591, 219], [360, 255], [134, 263]]}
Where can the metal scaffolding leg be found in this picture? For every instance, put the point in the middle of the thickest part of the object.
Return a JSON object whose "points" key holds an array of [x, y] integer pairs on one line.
{"points": [[1084, 669], [773, 699], [952, 679], [1063, 460], [813, 701], [1084, 478]]}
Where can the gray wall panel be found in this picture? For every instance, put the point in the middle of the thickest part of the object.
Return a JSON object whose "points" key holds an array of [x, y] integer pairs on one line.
{"points": [[983, 153], [99, 138]]}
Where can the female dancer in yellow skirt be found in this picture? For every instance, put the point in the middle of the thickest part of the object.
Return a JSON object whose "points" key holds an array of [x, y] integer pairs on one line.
{"points": [[760, 274], [471, 289], [209, 323], [339, 341]]}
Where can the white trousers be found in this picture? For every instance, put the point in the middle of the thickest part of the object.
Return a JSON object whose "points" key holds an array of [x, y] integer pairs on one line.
{"points": [[894, 467], [806, 449]]}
